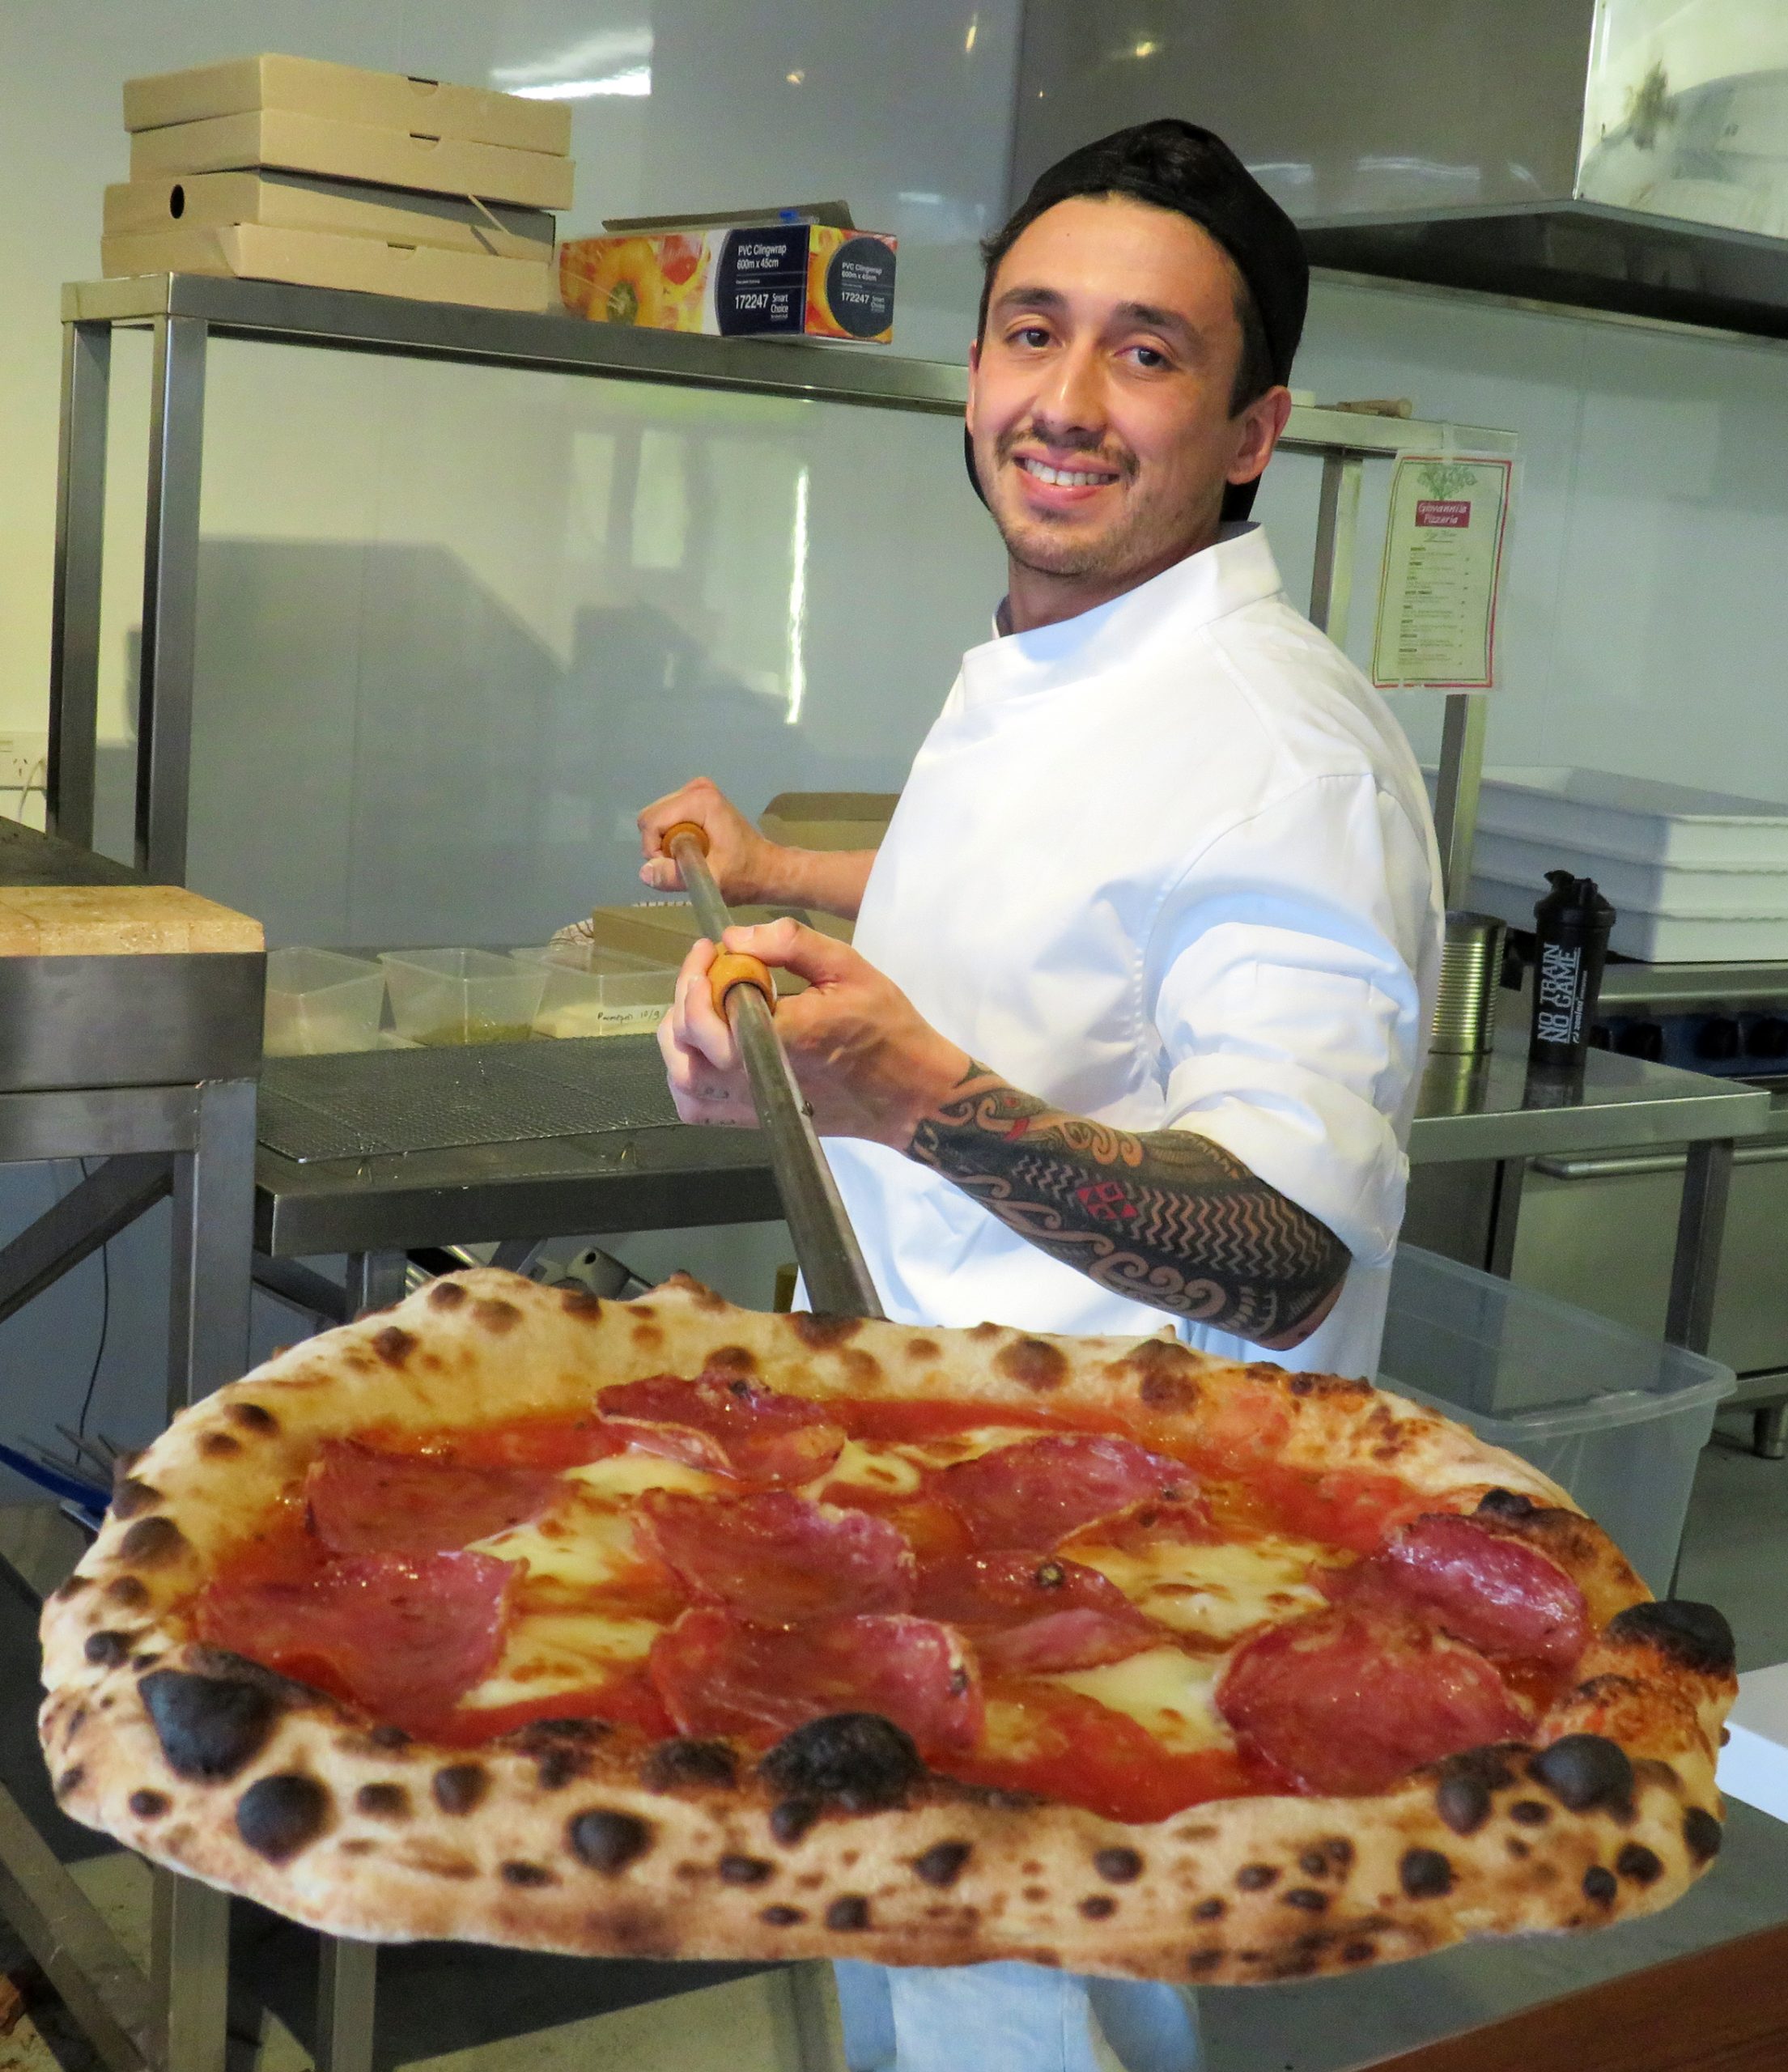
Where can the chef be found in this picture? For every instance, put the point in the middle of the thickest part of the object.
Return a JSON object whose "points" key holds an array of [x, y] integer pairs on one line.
{"points": [[1132, 1023]]}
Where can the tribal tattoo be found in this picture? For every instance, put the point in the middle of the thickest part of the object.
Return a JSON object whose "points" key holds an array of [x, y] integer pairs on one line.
{"points": [[1167, 1218]]}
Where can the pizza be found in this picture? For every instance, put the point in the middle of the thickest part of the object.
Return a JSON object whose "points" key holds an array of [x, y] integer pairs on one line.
{"points": [[664, 1629]]}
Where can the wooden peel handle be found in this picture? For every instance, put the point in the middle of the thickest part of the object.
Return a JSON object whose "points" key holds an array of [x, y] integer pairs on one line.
{"points": [[730, 969], [668, 840]]}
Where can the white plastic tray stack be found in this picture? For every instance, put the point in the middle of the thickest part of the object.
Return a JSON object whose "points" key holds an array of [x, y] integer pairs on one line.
{"points": [[1694, 877], [291, 169]]}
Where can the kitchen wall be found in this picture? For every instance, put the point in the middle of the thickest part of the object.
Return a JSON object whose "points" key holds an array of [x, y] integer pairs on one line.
{"points": [[441, 604]]}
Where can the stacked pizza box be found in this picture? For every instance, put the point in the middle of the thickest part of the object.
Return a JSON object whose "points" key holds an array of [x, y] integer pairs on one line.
{"points": [[291, 169]]}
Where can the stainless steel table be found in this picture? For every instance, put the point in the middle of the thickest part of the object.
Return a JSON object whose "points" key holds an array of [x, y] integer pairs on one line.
{"points": [[1495, 1110], [377, 1208], [147, 1063]]}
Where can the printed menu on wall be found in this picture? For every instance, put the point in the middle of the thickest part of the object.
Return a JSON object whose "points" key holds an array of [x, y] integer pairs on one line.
{"points": [[1442, 563]]}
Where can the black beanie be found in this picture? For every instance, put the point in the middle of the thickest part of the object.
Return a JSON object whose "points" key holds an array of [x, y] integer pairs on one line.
{"points": [[1176, 165]]}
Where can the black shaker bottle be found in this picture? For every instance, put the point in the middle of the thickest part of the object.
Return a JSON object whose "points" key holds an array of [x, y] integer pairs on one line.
{"points": [[1571, 927]]}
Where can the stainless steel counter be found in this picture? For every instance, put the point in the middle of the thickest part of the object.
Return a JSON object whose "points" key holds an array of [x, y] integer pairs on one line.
{"points": [[1494, 1108], [667, 1178]]}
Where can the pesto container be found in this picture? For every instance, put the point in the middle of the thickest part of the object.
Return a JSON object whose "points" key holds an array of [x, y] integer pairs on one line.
{"points": [[442, 996]]}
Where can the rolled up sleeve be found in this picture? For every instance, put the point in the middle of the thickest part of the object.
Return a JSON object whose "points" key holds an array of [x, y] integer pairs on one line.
{"points": [[1283, 983]]}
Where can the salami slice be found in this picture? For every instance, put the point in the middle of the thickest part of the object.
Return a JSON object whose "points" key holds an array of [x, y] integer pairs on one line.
{"points": [[1027, 1614], [717, 1675], [1343, 1703], [362, 1500], [729, 1427], [776, 1558], [1182, 1522], [1036, 1493], [403, 1635], [1500, 1595]]}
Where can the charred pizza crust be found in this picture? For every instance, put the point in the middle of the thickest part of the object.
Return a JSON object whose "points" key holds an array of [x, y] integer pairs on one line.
{"points": [[569, 1837]]}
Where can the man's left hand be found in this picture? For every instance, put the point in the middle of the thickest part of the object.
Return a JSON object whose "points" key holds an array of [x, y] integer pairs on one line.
{"points": [[868, 1062]]}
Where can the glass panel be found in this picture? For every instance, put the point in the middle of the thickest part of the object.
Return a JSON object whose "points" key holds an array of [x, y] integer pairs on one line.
{"points": [[544, 602], [1687, 114]]}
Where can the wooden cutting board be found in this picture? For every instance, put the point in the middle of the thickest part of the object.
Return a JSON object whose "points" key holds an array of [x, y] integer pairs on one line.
{"points": [[118, 920]]}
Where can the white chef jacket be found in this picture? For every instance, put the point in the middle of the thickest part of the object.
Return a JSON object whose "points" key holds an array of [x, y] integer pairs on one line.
{"points": [[1169, 865]]}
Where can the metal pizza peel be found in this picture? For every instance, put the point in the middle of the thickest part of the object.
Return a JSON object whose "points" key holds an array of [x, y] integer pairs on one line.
{"points": [[831, 1260]]}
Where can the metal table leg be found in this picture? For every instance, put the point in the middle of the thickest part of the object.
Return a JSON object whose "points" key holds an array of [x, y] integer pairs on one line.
{"points": [[170, 596], [1337, 516], [1511, 1174], [1701, 1227], [214, 1250], [62, 1929], [345, 2004], [74, 616], [375, 1280], [189, 1974], [1769, 1433], [818, 2022], [208, 1345]]}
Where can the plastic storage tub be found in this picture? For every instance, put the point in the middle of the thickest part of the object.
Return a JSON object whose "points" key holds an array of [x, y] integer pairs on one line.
{"points": [[1616, 1419], [1645, 822], [319, 1000], [1674, 935], [1656, 888], [442, 996], [592, 991]]}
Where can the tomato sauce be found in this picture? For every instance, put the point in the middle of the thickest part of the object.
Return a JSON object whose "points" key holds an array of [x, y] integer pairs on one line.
{"points": [[1087, 1754]]}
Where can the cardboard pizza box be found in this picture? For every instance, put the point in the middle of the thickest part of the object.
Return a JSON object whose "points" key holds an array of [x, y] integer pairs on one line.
{"points": [[319, 259], [353, 150], [345, 93], [300, 200], [664, 929], [829, 820]]}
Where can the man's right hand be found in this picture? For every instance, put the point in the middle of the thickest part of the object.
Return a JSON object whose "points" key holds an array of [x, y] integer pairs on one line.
{"points": [[743, 861]]}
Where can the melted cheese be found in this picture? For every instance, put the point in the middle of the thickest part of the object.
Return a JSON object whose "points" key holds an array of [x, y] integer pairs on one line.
{"points": [[629, 1474], [547, 1652], [894, 1471], [1212, 1593], [1164, 1690], [585, 1540]]}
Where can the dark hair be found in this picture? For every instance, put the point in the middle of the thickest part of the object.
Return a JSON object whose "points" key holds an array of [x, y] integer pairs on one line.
{"points": [[1254, 374]]}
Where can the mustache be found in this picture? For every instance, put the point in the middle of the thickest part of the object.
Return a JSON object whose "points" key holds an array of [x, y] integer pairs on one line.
{"points": [[1120, 459]]}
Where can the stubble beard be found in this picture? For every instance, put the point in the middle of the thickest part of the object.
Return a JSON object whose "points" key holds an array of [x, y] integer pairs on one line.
{"points": [[1049, 547]]}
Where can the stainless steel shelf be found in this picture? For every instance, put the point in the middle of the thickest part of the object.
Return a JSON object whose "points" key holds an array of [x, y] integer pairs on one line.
{"points": [[558, 342], [1675, 987]]}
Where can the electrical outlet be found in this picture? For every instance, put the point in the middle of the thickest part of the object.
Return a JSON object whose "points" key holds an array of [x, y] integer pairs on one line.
{"points": [[24, 760]]}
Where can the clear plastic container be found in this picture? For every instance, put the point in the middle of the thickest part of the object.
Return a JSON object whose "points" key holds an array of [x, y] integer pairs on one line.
{"points": [[1600, 813], [320, 1001], [1617, 1420], [592, 991], [440, 996]]}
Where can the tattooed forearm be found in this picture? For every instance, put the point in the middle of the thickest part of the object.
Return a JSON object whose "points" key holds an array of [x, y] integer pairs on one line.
{"points": [[1167, 1218]]}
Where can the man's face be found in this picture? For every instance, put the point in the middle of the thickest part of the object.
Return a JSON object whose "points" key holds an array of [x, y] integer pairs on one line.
{"points": [[1099, 393]]}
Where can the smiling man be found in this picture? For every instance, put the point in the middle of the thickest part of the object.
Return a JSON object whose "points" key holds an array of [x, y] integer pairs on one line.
{"points": [[1134, 1017]]}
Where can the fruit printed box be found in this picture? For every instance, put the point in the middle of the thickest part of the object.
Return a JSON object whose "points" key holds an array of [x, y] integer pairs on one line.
{"points": [[808, 279]]}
